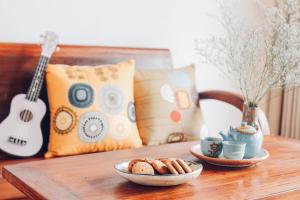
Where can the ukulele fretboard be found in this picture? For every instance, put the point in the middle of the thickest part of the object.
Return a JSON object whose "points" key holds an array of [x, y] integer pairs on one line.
{"points": [[37, 81]]}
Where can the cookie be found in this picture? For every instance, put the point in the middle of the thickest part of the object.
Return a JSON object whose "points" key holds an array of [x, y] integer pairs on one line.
{"points": [[177, 167], [162, 159], [170, 167], [133, 162], [166, 159], [142, 168], [149, 160], [160, 167], [185, 166]]}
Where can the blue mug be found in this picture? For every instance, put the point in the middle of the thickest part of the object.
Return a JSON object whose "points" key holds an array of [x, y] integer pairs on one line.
{"points": [[212, 147], [234, 150]]}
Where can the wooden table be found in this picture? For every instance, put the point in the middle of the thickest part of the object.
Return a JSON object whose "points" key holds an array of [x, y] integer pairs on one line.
{"points": [[92, 176]]}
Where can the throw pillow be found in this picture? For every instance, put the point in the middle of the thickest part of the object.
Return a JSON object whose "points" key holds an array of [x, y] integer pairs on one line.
{"points": [[166, 106], [92, 109]]}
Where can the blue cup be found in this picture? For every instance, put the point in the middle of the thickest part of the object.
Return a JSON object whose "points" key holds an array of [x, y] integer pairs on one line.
{"points": [[211, 147], [234, 150]]}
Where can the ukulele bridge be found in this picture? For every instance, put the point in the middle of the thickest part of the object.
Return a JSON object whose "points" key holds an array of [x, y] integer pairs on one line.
{"points": [[16, 140]]}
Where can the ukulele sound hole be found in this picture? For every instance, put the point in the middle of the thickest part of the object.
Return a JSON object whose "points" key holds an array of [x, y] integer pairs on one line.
{"points": [[26, 115]]}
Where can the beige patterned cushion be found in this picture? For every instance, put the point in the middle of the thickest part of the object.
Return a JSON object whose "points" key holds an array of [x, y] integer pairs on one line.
{"points": [[166, 106]]}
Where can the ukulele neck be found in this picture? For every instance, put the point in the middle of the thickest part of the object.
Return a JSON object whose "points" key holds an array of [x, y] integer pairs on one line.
{"points": [[38, 79]]}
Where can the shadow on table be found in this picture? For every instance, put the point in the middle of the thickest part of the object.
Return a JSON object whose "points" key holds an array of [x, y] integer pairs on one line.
{"points": [[210, 167], [135, 191]]}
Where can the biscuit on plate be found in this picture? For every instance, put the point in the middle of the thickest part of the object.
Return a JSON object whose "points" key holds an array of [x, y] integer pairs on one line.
{"points": [[160, 167], [184, 165], [131, 163], [149, 160], [170, 167], [177, 167], [142, 168]]}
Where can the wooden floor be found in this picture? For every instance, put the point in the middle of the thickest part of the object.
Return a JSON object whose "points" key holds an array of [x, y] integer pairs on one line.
{"points": [[7, 191]]}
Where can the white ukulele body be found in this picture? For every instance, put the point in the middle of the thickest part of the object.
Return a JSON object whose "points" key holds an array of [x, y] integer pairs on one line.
{"points": [[19, 137]]}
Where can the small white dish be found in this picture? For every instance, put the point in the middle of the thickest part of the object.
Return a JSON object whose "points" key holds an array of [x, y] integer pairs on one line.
{"points": [[158, 180], [221, 161]]}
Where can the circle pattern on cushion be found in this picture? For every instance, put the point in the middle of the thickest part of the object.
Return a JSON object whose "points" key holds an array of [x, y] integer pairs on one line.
{"points": [[111, 99], [120, 128], [131, 112], [64, 120], [81, 95], [92, 127], [175, 116], [167, 93], [179, 79]]}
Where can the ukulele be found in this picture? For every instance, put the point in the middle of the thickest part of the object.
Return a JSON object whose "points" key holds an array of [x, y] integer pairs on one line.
{"points": [[20, 132]]}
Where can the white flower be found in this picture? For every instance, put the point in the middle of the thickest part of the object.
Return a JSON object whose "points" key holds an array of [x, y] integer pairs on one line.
{"points": [[257, 59]]}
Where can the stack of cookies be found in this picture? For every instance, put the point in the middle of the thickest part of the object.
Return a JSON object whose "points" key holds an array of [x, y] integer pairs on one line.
{"points": [[160, 166]]}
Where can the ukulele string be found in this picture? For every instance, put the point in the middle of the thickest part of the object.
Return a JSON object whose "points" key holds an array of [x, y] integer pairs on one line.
{"points": [[34, 77], [36, 86], [40, 79], [26, 114], [30, 91], [36, 82], [40, 76]]}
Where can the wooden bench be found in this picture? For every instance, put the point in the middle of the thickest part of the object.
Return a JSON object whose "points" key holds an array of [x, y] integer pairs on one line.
{"points": [[17, 64]]}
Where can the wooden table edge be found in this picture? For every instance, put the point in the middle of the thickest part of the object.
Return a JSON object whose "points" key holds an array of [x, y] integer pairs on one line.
{"points": [[33, 194], [20, 185]]}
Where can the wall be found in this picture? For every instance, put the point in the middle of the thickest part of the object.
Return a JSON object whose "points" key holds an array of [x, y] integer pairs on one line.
{"points": [[173, 24]]}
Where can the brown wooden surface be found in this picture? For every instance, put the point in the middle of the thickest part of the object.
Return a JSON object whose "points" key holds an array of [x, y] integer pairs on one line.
{"points": [[92, 176], [8, 191], [237, 101]]}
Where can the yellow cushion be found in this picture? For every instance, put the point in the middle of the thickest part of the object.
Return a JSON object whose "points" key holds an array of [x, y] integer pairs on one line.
{"points": [[166, 106], [91, 109]]}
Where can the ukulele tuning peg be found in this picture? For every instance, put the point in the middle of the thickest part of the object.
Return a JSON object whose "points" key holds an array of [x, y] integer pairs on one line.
{"points": [[41, 40], [40, 43]]}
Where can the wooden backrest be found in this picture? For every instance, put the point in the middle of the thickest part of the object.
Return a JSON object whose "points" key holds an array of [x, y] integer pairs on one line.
{"points": [[18, 61]]}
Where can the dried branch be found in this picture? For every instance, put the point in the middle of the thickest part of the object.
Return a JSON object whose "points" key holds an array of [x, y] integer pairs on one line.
{"points": [[257, 59]]}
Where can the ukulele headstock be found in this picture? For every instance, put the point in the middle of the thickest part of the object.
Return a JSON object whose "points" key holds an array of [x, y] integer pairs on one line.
{"points": [[49, 44]]}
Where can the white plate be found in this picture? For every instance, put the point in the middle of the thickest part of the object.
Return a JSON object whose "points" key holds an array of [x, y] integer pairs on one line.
{"points": [[221, 161], [158, 180]]}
